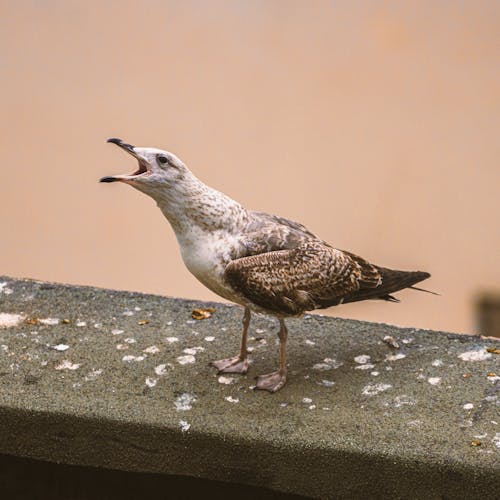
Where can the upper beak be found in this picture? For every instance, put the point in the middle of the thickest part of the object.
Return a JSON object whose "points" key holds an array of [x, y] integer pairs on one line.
{"points": [[143, 166]]}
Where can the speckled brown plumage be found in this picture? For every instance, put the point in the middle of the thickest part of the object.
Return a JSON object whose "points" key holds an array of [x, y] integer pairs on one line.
{"points": [[263, 262]]}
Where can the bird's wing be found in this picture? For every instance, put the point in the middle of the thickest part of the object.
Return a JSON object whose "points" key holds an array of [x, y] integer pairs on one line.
{"points": [[270, 233], [313, 275]]}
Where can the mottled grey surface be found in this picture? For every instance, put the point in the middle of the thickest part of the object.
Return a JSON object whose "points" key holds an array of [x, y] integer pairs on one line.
{"points": [[84, 382]]}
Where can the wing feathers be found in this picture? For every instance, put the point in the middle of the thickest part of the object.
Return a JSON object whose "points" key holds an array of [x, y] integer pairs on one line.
{"points": [[311, 276]]}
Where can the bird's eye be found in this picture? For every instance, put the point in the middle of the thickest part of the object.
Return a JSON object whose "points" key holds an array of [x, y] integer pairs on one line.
{"points": [[163, 159]]}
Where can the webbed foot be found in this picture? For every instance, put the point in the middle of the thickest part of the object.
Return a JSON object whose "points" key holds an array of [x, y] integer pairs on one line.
{"points": [[271, 382], [231, 365]]}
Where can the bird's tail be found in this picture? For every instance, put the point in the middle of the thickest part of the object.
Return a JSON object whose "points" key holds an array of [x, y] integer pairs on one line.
{"points": [[392, 281]]}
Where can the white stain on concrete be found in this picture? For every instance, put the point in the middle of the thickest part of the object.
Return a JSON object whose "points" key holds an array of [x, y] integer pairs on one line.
{"points": [[151, 382], [307, 400], [437, 362], [171, 340], [404, 400], [368, 366], [130, 340], [49, 321], [81, 323], [468, 406], [193, 350], [162, 369], [128, 313], [5, 289], [67, 365], [210, 338], [373, 389], [362, 359], [391, 341], [8, 320], [152, 349], [434, 380], [184, 425], [186, 360], [415, 423], [327, 364], [185, 401], [375, 373], [327, 383], [475, 355], [309, 342], [226, 380], [92, 375], [496, 440], [121, 347], [60, 347], [129, 358], [117, 331], [231, 399], [395, 357]]}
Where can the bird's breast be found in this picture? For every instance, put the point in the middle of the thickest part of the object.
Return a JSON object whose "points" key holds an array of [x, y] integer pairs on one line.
{"points": [[206, 257]]}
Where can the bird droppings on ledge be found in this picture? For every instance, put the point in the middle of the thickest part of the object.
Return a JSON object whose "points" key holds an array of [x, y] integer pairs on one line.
{"points": [[9, 320], [393, 401], [193, 350], [374, 389], [434, 380], [362, 359], [151, 382], [129, 358], [151, 350], [186, 360], [327, 364], [184, 426], [67, 365], [184, 402], [60, 347], [226, 380], [391, 341], [475, 355], [162, 369]]}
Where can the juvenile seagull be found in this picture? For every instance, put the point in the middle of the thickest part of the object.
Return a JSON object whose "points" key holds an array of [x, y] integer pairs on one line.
{"points": [[265, 263]]}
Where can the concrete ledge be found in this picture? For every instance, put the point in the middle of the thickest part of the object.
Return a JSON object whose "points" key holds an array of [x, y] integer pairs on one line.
{"points": [[94, 377]]}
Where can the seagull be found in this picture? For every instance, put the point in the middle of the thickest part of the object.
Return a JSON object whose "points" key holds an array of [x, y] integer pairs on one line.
{"points": [[265, 263]]}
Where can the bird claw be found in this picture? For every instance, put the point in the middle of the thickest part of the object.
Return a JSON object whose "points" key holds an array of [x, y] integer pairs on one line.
{"points": [[231, 365], [271, 382]]}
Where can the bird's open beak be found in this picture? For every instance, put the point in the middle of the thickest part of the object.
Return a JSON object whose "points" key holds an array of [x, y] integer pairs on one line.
{"points": [[141, 171]]}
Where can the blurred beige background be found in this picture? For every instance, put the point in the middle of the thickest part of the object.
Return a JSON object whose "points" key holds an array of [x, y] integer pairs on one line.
{"points": [[373, 123]]}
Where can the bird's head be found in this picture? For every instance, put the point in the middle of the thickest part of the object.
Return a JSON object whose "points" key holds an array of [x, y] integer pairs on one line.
{"points": [[157, 169]]}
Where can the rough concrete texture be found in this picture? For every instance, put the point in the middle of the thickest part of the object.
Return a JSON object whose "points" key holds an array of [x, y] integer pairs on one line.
{"points": [[121, 380]]}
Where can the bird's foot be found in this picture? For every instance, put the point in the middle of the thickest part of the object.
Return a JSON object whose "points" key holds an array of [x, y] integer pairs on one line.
{"points": [[231, 365], [271, 382]]}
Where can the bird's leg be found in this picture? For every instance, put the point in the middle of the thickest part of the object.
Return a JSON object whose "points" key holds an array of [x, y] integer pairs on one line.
{"points": [[238, 364], [274, 381]]}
